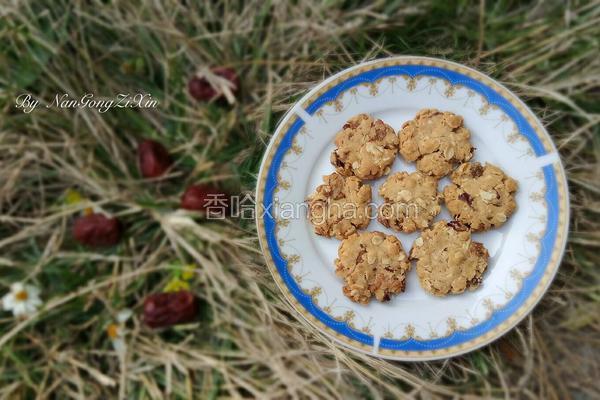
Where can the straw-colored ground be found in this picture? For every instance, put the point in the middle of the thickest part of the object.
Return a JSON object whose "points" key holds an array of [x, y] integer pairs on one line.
{"points": [[248, 343]]}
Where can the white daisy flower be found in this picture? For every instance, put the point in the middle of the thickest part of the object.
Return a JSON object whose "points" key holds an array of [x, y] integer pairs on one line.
{"points": [[116, 332], [22, 300]]}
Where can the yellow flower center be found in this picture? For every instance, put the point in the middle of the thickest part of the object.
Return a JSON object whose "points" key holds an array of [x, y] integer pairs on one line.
{"points": [[176, 284], [188, 272], [22, 295], [112, 331], [72, 196]]}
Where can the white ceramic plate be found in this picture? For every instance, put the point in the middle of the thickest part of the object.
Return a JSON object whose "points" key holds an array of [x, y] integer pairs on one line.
{"points": [[525, 252]]}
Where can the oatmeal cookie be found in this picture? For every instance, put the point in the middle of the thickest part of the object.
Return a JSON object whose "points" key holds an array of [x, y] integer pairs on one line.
{"points": [[436, 140], [339, 206], [371, 264], [481, 197], [411, 201], [365, 148], [447, 260]]}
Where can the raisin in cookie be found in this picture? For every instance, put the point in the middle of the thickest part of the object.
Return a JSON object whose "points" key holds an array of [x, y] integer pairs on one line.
{"points": [[447, 260], [371, 264], [365, 148], [411, 201], [436, 140], [339, 206], [480, 197]]}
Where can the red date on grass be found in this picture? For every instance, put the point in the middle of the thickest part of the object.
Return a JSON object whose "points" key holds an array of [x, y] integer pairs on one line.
{"points": [[154, 159], [167, 309], [205, 198], [97, 230], [201, 90]]}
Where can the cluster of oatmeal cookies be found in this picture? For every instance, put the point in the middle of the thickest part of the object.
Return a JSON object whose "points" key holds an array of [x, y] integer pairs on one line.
{"points": [[373, 264]]}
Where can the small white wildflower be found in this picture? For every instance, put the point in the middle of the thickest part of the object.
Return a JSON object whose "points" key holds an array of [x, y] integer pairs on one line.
{"points": [[116, 332], [124, 315], [22, 300]]}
